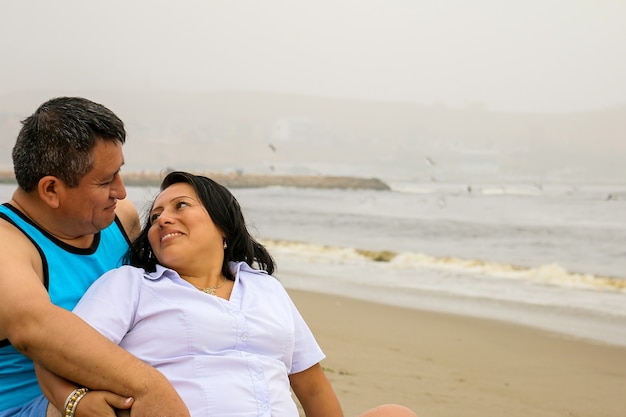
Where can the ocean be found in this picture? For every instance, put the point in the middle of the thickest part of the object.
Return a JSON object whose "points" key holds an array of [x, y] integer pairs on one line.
{"points": [[550, 256]]}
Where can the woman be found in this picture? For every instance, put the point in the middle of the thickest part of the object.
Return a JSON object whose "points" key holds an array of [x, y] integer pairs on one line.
{"points": [[193, 304]]}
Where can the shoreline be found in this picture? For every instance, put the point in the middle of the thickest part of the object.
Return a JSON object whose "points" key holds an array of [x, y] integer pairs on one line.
{"points": [[442, 364], [251, 180], [570, 321]]}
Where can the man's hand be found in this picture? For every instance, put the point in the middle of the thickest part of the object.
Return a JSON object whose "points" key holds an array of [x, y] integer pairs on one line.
{"points": [[98, 404], [102, 404]]}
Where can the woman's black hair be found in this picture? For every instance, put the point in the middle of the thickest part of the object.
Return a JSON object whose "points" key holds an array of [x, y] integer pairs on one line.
{"points": [[227, 216]]}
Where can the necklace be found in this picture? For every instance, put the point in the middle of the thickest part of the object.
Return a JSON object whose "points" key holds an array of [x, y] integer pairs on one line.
{"points": [[211, 290]]}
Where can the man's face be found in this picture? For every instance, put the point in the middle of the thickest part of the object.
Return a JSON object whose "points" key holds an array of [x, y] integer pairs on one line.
{"points": [[90, 207]]}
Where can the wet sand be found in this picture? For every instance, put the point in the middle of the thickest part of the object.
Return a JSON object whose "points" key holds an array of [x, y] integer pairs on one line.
{"points": [[446, 365]]}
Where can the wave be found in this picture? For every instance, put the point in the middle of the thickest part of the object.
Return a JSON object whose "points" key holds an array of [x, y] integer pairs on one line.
{"points": [[531, 189], [468, 189], [551, 274]]}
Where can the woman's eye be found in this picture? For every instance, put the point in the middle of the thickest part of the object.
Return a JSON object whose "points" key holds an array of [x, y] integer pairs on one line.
{"points": [[181, 204], [154, 217]]}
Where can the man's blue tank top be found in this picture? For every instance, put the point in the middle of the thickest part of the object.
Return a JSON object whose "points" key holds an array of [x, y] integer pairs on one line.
{"points": [[67, 273]]}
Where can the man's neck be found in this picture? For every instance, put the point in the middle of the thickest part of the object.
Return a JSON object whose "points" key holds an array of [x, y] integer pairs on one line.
{"points": [[43, 216]]}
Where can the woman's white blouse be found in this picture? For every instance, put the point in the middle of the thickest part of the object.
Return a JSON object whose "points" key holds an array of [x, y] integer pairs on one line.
{"points": [[224, 357]]}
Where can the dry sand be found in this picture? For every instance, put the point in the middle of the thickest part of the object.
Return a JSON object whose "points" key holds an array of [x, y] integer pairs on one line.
{"points": [[445, 365]]}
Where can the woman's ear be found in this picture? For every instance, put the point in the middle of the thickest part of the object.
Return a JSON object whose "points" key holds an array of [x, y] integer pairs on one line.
{"points": [[49, 189]]}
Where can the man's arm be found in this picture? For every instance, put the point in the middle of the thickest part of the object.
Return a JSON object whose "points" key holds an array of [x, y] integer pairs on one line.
{"points": [[96, 404], [65, 344]]}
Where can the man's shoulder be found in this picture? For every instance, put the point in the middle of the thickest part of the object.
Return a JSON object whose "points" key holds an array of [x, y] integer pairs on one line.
{"points": [[8, 229], [11, 222], [129, 217], [20, 258], [19, 240]]}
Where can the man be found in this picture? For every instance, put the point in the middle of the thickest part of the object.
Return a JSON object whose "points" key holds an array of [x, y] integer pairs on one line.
{"points": [[66, 224]]}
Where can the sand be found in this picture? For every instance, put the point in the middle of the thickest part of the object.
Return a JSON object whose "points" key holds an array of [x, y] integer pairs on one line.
{"points": [[446, 365]]}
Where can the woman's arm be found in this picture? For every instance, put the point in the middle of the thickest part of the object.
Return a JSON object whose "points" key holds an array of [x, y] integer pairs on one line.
{"points": [[315, 393]]}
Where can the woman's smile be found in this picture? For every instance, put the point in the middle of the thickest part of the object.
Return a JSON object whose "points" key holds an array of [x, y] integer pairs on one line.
{"points": [[170, 235]]}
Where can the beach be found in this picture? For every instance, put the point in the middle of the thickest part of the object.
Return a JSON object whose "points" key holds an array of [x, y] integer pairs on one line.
{"points": [[509, 300], [446, 365], [504, 301]]}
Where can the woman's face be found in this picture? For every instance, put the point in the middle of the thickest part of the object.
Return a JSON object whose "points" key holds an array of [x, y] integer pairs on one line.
{"points": [[182, 234]]}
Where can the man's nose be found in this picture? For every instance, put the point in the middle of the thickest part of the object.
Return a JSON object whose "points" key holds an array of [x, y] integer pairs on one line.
{"points": [[118, 190]]}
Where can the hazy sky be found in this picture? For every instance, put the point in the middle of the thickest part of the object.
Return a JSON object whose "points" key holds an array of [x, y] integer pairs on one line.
{"points": [[525, 55]]}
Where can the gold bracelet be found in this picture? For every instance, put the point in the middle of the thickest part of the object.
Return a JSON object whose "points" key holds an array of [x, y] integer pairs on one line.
{"points": [[72, 401]]}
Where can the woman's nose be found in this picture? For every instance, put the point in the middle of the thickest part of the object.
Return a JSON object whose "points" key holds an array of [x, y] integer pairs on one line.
{"points": [[164, 218]]}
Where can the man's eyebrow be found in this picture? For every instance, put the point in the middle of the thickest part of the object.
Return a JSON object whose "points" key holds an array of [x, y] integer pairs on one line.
{"points": [[112, 174]]}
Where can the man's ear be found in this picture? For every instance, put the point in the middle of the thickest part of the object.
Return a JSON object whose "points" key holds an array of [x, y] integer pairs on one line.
{"points": [[50, 189]]}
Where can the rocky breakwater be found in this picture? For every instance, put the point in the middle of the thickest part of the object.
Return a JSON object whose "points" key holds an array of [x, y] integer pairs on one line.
{"points": [[256, 181], [252, 181]]}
